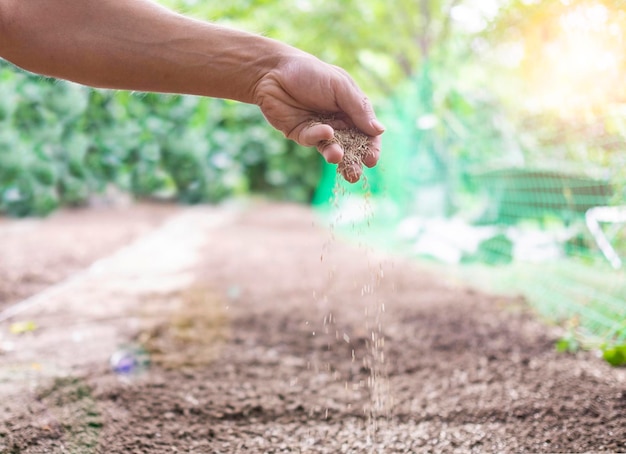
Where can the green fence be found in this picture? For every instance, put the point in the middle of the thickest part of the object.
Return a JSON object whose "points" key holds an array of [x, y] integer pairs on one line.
{"points": [[550, 233]]}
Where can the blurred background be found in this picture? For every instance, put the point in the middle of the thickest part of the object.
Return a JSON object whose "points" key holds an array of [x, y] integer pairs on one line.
{"points": [[503, 160]]}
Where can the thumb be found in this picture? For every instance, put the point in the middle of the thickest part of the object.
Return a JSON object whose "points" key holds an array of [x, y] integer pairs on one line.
{"points": [[360, 110]]}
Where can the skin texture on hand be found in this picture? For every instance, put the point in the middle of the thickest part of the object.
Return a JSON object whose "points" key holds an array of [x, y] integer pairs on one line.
{"points": [[293, 95], [139, 45]]}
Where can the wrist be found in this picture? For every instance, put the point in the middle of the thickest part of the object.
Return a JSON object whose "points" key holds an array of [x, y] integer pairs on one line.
{"points": [[271, 68]]}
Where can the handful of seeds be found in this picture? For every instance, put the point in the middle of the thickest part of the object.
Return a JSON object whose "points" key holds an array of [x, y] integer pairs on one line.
{"points": [[355, 146]]}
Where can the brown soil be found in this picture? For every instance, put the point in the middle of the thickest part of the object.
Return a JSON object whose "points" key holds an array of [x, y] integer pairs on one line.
{"points": [[35, 253], [293, 341]]}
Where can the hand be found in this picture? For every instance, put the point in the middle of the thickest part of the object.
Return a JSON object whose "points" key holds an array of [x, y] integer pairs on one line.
{"points": [[295, 94]]}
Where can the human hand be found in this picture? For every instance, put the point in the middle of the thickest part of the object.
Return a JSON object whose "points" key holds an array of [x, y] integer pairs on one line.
{"points": [[296, 94]]}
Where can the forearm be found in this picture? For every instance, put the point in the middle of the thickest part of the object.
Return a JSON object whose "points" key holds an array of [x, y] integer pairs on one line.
{"points": [[136, 45]]}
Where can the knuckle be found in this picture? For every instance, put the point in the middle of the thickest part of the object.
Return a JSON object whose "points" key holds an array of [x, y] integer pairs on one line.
{"points": [[367, 105]]}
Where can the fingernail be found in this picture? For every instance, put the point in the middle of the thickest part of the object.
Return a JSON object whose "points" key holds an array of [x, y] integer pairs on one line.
{"points": [[332, 153], [378, 126]]}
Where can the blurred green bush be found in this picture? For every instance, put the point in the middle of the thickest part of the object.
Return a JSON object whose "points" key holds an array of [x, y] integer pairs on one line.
{"points": [[60, 143]]}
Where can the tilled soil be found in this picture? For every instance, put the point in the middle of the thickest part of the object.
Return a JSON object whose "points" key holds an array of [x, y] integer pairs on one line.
{"points": [[295, 341]]}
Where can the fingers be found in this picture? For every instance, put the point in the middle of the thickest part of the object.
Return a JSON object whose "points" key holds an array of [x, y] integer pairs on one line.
{"points": [[352, 173], [371, 159], [353, 102], [332, 152], [320, 135], [312, 135]]}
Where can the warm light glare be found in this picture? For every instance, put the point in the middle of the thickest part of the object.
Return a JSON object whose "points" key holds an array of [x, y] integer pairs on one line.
{"points": [[580, 64]]}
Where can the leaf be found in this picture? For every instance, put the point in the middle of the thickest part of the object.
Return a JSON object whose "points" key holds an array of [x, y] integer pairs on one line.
{"points": [[567, 344], [23, 327], [616, 355]]}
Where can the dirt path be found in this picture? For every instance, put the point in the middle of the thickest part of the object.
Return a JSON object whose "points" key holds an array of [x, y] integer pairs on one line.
{"points": [[36, 253], [292, 341]]}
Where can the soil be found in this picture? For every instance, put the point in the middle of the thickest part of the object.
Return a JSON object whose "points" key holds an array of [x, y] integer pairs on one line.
{"points": [[293, 340], [36, 253]]}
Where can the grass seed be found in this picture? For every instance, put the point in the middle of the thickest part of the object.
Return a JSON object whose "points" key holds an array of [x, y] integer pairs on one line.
{"points": [[355, 146]]}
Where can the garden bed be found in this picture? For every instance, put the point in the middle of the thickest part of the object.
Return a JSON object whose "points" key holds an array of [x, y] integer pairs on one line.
{"points": [[289, 340]]}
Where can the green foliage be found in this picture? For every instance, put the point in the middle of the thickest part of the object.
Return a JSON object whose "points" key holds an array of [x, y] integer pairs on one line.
{"points": [[379, 43], [616, 356], [568, 344], [62, 142]]}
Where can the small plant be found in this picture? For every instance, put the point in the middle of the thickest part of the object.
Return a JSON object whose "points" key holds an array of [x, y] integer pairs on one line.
{"points": [[568, 344], [615, 355]]}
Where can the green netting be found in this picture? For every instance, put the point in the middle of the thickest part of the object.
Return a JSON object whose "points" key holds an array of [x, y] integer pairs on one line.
{"points": [[549, 233]]}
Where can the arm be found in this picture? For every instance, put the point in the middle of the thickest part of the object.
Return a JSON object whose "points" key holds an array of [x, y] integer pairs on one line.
{"points": [[138, 45]]}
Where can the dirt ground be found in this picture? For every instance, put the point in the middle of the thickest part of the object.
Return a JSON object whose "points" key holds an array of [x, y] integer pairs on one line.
{"points": [[36, 253], [292, 340]]}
